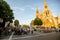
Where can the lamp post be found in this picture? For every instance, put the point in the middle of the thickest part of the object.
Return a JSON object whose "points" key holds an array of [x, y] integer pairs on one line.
{"points": [[30, 28]]}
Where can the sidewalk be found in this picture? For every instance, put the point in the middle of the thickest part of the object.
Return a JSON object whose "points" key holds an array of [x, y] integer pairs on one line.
{"points": [[6, 37], [24, 36]]}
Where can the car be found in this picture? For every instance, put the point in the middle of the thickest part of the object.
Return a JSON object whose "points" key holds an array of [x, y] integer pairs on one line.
{"points": [[25, 31], [28, 30], [35, 29], [47, 31], [53, 30], [58, 30]]}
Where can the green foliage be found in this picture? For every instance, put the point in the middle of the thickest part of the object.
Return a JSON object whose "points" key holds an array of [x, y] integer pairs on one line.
{"points": [[16, 22], [26, 26], [38, 21], [5, 11], [53, 27], [59, 25]]}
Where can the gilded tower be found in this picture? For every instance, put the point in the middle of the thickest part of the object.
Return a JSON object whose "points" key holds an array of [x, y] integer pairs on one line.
{"points": [[46, 16], [37, 12]]}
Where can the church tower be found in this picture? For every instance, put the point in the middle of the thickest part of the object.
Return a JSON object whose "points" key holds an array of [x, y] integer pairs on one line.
{"points": [[37, 12], [45, 5], [46, 9], [46, 16]]}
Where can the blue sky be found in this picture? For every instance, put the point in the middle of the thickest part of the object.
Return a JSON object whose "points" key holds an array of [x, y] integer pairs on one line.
{"points": [[25, 10]]}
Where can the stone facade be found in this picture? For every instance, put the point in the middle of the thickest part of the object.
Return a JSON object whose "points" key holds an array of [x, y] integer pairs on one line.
{"points": [[46, 16]]}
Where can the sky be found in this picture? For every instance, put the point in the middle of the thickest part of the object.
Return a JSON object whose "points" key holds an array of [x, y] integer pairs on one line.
{"points": [[25, 10]]}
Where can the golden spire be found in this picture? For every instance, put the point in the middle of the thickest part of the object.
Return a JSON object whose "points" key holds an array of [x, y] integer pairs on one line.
{"points": [[45, 4], [44, 0], [37, 11]]}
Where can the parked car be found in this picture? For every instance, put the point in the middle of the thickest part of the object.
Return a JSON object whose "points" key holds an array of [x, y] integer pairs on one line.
{"points": [[58, 30], [18, 31], [47, 31], [25, 31], [35, 29], [53, 30]]}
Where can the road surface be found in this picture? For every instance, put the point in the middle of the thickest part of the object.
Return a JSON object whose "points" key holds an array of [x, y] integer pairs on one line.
{"points": [[36, 36]]}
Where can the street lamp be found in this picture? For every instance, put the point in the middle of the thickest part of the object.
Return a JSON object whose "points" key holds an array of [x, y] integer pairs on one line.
{"points": [[30, 28]]}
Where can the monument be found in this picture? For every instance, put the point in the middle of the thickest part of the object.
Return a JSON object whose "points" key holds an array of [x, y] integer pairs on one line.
{"points": [[46, 16]]}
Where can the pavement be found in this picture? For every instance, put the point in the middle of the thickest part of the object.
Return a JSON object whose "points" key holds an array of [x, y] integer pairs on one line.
{"points": [[35, 36]]}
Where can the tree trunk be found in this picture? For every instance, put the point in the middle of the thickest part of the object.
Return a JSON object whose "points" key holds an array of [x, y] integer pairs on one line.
{"points": [[2, 24]]}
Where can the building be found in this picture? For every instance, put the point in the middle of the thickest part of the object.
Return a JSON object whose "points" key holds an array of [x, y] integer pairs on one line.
{"points": [[46, 16]]}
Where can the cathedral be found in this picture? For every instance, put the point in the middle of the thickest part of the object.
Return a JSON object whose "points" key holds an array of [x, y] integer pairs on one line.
{"points": [[46, 16]]}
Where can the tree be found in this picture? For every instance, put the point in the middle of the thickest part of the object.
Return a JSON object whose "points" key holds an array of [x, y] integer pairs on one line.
{"points": [[6, 13], [59, 25], [16, 23], [26, 26], [38, 21]]}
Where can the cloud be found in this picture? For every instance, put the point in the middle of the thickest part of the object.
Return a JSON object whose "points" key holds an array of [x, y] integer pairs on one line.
{"points": [[22, 9], [30, 7], [18, 8], [33, 8]]}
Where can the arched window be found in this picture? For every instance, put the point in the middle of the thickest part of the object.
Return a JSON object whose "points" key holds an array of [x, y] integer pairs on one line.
{"points": [[47, 12]]}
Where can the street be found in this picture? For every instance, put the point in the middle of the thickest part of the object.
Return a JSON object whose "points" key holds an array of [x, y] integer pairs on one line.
{"points": [[29, 19], [35, 36]]}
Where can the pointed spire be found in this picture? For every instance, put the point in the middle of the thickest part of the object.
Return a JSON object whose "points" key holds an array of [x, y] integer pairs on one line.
{"points": [[37, 11], [44, 0], [45, 4]]}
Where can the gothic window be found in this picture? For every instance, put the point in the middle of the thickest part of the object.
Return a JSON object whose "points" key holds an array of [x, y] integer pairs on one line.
{"points": [[37, 12], [45, 6], [47, 12]]}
